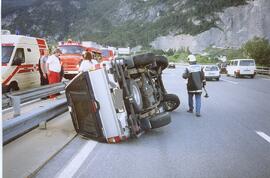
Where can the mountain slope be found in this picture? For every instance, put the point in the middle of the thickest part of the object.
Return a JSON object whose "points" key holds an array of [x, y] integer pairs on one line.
{"points": [[112, 22]]}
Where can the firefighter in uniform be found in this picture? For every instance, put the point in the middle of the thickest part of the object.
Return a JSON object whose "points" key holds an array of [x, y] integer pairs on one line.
{"points": [[195, 81]]}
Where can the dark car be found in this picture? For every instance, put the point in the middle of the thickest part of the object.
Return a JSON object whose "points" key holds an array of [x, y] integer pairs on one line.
{"points": [[171, 65]]}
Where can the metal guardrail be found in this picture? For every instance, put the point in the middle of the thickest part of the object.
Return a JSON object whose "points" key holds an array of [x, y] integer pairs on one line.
{"points": [[263, 70], [16, 98], [17, 126]]}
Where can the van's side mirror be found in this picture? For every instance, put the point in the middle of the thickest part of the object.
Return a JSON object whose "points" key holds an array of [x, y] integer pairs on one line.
{"points": [[17, 61]]}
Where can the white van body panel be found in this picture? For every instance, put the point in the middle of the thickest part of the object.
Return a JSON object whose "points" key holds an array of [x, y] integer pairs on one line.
{"points": [[242, 67], [25, 75]]}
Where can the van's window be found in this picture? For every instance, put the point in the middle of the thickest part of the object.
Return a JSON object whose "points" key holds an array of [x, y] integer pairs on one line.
{"points": [[71, 49], [19, 55], [211, 68], [6, 53], [235, 63], [247, 63], [28, 49]]}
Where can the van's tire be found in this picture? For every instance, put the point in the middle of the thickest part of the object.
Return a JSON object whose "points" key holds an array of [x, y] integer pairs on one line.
{"points": [[162, 62], [143, 59], [160, 120], [136, 96], [170, 102], [13, 86]]}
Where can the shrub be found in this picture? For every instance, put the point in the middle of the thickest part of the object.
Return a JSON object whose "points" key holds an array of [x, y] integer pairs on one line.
{"points": [[258, 49]]}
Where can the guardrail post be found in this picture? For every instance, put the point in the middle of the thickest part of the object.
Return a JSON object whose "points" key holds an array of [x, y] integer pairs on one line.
{"points": [[16, 101]]}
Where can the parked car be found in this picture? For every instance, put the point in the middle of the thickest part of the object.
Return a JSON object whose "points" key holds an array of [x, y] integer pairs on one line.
{"points": [[171, 65], [211, 72], [241, 67]]}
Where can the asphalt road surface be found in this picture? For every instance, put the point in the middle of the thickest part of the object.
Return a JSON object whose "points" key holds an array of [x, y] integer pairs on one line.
{"points": [[230, 140]]}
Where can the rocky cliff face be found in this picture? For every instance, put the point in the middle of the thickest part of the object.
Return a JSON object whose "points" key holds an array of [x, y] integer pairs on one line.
{"points": [[236, 26], [222, 23]]}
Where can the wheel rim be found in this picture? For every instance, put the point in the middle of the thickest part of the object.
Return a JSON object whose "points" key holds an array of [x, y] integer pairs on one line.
{"points": [[136, 95]]}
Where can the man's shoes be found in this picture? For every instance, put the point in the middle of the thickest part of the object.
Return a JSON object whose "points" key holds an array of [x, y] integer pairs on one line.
{"points": [[198, 115], [190, 111]]}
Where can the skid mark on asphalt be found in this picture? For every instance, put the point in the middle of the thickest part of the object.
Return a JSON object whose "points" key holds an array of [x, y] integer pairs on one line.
{"points": [[263, 135], [74, 165], [225, 80]]}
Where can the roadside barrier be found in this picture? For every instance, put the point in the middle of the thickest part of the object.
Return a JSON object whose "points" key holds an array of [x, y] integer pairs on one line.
{"points": [[18, 126], [263, 70], [15, 99]]}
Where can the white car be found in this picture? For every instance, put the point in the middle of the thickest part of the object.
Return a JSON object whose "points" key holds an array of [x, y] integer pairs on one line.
{"points": [[211, 72], [241, 67]]}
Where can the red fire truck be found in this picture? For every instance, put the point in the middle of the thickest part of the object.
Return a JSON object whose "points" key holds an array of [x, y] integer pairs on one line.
{"points": [[107, 54], [72, 56]]}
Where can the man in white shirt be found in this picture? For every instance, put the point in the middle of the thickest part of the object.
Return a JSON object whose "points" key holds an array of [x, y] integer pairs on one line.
{"points": [[53, 67]]}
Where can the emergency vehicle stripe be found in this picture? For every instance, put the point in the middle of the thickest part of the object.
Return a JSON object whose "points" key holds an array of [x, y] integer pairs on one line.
{"points": [[8, 44], [24, 69]]}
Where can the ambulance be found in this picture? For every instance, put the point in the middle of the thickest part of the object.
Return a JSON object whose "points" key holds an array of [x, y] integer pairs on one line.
{"points": [[20, 57]]}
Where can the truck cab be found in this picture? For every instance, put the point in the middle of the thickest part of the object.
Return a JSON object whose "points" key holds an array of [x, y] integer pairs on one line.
{"points": [[71, 57], [107, 54]]}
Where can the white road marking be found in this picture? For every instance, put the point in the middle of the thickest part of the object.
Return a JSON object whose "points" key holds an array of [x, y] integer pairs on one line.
{"points": [[263, 135], [229, 81], [73, 166]]}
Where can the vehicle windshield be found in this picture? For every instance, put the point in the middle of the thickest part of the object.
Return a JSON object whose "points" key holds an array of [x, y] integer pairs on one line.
{"points": [[247, 63], [6, 53], [211, 68], [71, 49], [105, 53]]}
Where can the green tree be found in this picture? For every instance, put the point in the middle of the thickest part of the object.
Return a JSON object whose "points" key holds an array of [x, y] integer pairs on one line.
{"points": [[258, 49]]}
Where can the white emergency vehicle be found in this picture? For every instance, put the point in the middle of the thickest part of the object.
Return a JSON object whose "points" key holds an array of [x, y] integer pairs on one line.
{"points": [[20, 57]]}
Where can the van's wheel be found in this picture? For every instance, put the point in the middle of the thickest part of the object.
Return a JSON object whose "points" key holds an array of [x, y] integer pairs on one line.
{"points": [[170, 102], [143, 59], [162, 62], [135, 95], [160, 120], [13, 86]]}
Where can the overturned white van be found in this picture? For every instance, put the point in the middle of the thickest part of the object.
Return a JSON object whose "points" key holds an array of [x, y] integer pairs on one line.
{"points": [[20, 57]]}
